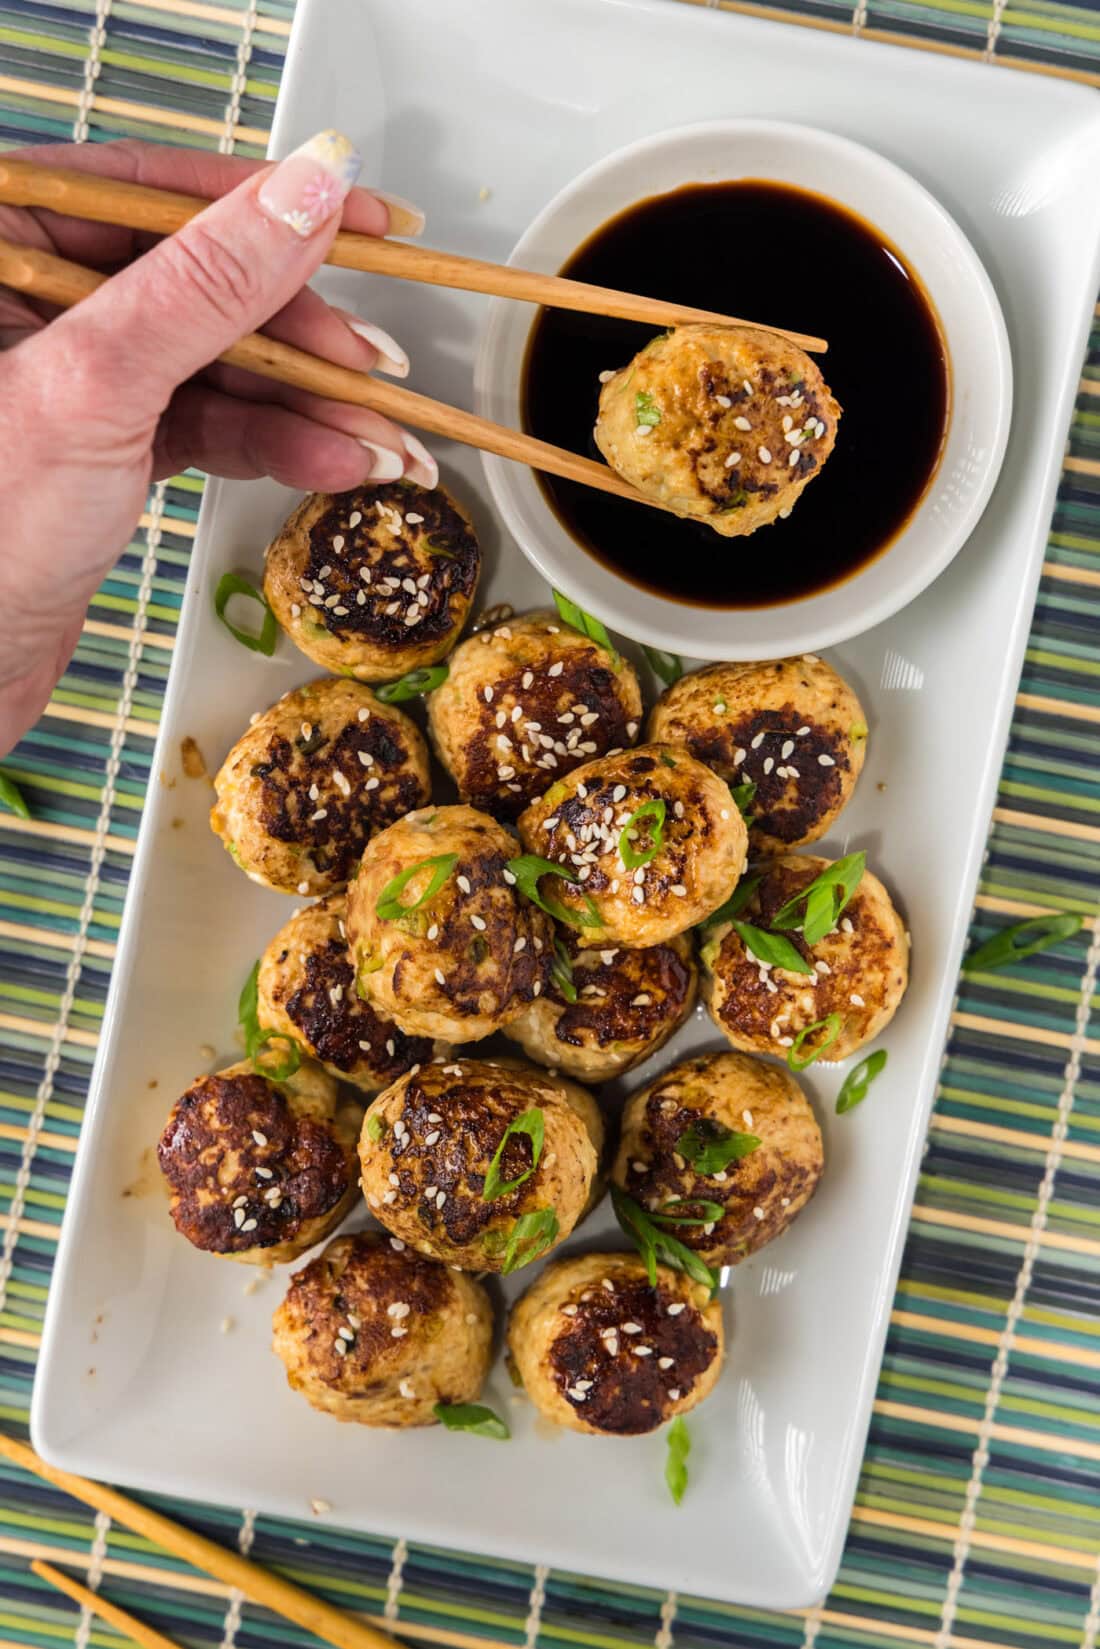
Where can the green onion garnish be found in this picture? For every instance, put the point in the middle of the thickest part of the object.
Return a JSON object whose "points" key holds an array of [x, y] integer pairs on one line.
{"points": [[283, 1068], [655, 1245], [229, 584], [578, 619], [736, 902], [247, 1006], [12, 796], [531, 1236], [561, 972], [376, 1127], [472, 1417], [679, 1447], [855, 1085], [832, 1025], [410, 686], [654, 810], [744, 795], [771, 947], [529, 870], [709, 1147], [668, 666], [707, 1212], [531, 1124], [817, 908], [389, 906], [1021, 940], [646, 410]]}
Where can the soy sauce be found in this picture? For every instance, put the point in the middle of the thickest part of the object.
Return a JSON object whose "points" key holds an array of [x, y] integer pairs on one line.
{"points": [[784, 257]]}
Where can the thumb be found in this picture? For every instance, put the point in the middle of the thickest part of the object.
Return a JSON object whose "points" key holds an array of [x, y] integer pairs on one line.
{"points": [[177, 308]]}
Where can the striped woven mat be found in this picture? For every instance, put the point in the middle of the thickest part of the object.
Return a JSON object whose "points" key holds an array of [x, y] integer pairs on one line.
{"points": [[977, 1521]]}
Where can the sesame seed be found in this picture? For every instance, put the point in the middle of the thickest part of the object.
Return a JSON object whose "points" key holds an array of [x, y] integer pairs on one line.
{"points": [[643, 1351], [433, 931], [390, 1048], [764, 455], [398, 1333], [723, 400], [758, 1212], [478, 922], [643, 429], [758, 741], [536, 988], [674, 1393], [321, 813], [569, 1311], [769, 763], [826, 761], [261, 1139], [792, 459], [675, 1309], [364, 714], [856, 1000], [488, 695], [414, 520], [734, 458], [397, 1245], [398, 1309], [664, 1362], [366, 758], [631, 1328], [440, 977], [405, 1388], [249, 1225], [371, 784], [463, 883], [556, 669]]}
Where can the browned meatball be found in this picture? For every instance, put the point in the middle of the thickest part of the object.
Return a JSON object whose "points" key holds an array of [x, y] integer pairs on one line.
{"points": [[374, 582], [259, 1170], [601, 1350], [306, 991]]}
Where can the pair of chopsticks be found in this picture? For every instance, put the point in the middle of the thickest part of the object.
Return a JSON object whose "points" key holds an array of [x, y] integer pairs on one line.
{"points": [[134, 206], [259, 1585]]}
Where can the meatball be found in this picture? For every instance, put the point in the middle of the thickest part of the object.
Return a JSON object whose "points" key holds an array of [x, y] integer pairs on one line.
{"points": [[457, 962], [525, 703], [303, 790], [306, 991], [626, 1004], [427, 1147], [723, 424], [372, 1332], [683, 838], [259, 1170], [791, 726], [860, 972], [695, 1108], [375, 582], [600, 1350]]}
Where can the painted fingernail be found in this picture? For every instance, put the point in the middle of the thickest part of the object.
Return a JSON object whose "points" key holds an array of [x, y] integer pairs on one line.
{"points": [[385, 464], [310, 185], [391, 357], [405, 218], [422, 467]]}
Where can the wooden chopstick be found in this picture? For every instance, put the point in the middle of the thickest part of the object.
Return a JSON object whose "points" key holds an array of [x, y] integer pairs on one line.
{"points": [[268, 1590], [26, 269], [127, 1624], [158, 211]]}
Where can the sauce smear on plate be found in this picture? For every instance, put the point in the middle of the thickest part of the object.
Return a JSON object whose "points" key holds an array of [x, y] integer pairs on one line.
{"points": [[793, 259]]}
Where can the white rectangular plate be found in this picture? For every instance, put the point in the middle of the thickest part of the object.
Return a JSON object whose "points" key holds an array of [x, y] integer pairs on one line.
{"points": [[515, 97]]}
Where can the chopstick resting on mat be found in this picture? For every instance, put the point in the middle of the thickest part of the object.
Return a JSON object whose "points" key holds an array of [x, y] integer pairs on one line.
{"points": [[129, 1625], [26, 269], [158, 211], [269, 1590]]}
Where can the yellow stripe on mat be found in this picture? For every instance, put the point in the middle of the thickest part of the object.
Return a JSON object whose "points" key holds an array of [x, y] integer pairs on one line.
{"points": [[982, 1227], [1025, 1033], [119, 632], [1058, 707], [100, 718], [1057, 569], [217, 14], [125, 110], [45, 1029], [58, 941], [1014, 1137], [1081, 1356], [1048, 1441], [1083, 466], [1047, 823], [1010, 907]]}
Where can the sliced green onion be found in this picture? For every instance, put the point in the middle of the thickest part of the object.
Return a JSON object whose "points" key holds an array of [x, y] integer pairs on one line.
{"points": [[283, 1068], [12, 796], [771, 947], [389, 906], [529, 870], [531, 1236], [655, 1245], [646, 410], [744, 795], [578, 619], [229, 585], [532, 1125], [473, 1417], [679, 1447], [410, 686], [1021, 940], [817, 908], [708, 1213], [376, 1127], [433, 548], [654, 810], [832, 1025], [669, 667], [736, 902], [854, 1088], [709, 1147], [561, 972]]}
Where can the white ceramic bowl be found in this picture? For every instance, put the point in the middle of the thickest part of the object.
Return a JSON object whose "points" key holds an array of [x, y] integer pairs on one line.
{"points": [[981, 385]]}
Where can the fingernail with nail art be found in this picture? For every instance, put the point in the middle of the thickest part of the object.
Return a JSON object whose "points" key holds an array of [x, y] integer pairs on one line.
{"points": [[310, 185], [405, 218], [422, 467], [385, 464], [391, 357]]}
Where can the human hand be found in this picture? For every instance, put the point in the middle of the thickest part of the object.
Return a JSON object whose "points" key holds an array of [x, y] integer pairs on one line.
{"points": [[100, 401]]}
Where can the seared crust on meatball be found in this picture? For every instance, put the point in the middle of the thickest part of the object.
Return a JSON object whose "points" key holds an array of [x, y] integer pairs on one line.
{"points": [[306, 990], [259, 1170], [427, 1145], [601, 1351], [628, 1003], [716, 1095], [374, 582], [468, 960], [790, 726], [861, 969], [303, 790], [723, 424], [526, 702], [582, 821], [373, 1333]]}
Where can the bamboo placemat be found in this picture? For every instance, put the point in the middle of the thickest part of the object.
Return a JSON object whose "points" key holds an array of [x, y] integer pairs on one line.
{"points": [[977, 1524]]}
